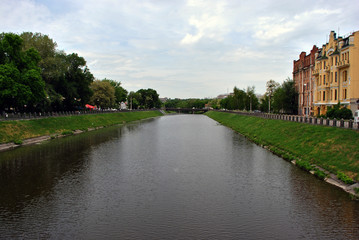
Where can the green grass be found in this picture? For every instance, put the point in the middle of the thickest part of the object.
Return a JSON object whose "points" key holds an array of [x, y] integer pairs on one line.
{"points": [[344, 178], [11, 131], [333, 149]]}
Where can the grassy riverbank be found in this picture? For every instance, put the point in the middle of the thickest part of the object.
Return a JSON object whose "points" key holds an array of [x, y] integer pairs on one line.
{"points": [[16, 131], [333, 149]]}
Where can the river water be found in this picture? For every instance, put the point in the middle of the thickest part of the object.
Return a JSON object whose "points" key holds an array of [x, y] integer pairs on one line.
{"points": [[173, 177]]}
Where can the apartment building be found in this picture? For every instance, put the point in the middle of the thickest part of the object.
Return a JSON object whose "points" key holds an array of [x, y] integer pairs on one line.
{"points": [[303, 79], [336, 73]]}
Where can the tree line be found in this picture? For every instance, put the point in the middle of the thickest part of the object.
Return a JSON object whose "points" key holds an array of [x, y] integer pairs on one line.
{"points": [[36, 76], [279, 98]]}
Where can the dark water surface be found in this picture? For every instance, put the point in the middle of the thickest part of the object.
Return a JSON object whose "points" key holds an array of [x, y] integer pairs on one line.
{"points": [[174, 177]]}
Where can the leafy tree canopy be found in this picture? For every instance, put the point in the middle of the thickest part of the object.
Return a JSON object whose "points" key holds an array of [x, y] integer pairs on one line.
{"points": [[120, 92], [21, 84], [103, 94]]}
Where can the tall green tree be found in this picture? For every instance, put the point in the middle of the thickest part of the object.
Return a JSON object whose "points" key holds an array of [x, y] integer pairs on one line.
{"points": [[133, 99], [285, 98], [120, 92], [21, 85], [239, 97], [74, 83], [251, 100], [103, 94], [271, 86], [149, 98], [66, 76]]}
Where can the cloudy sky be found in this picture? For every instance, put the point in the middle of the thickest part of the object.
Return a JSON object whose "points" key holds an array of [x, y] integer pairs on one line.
{"points": [[182, 48]]}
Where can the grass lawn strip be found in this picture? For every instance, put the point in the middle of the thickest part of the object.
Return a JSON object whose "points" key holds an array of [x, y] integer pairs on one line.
{"points": [[18, 131]]}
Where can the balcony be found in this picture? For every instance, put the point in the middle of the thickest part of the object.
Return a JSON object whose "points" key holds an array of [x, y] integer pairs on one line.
{"points": [[315, 72], [326, 69], [343, 64]]}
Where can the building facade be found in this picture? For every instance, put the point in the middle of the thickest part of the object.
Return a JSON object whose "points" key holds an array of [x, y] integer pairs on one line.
{"points": [[336, 73], [303, 80]]}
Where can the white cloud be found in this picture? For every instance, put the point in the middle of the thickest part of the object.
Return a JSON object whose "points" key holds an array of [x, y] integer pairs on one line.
{"points": [[208, 19]]}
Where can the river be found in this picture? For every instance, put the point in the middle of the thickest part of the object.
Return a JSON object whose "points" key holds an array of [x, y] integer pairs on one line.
{"points": [[172, 177]]}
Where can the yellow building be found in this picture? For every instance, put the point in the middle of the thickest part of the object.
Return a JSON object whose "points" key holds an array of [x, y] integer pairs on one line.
{"points": [[336, 73]]}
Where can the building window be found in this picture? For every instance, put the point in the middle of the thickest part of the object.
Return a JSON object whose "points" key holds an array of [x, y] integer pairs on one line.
{"points": [[345, 93], [324, 79], [336, 76], [323, 95], [335, 94], [336, 60], [345, 76], [331, 77]]}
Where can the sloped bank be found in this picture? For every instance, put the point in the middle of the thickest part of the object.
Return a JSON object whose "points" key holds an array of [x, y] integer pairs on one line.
{"points": [[332, 154], [24, 132]]}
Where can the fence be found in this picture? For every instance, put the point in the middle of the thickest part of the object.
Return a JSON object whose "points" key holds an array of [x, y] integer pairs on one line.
{"points": [[26, 116], [349, 124]]}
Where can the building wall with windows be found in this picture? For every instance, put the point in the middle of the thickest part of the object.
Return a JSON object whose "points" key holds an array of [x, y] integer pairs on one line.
{"points": [[303, 79], [336, 73]]}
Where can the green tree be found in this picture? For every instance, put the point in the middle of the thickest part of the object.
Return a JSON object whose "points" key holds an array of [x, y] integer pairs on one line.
{"points": [[133, 100], [239, 97], [120, 92], [67, 77], [214, 103], [148, 98], [74, 84], [21, 85], [264, 103], [172, 103], [251, 100], [285, 98], [51, 64], [103, 94], [271, 87]]}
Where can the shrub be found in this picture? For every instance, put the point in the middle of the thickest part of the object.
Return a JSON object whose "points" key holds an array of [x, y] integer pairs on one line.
{"points": [[67, 132], [304, 165], [356, 190], [320, 174], [341, 176], [339, 112], [18, 142]]}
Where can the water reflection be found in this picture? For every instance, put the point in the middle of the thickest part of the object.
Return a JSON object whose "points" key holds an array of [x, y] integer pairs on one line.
{"points": [[32, 171]]}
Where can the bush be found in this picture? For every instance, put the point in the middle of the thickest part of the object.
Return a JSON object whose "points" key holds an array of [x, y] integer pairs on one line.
{"points": [[304, 165], [67, 132], [320, 174], [18, 142], [341, 176], [339, 112]]}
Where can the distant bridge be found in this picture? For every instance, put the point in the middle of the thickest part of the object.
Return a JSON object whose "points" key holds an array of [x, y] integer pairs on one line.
{"points": [[187, 110]]}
